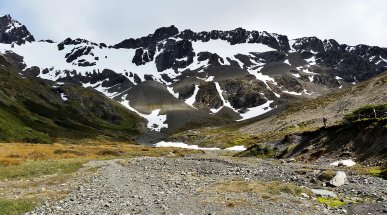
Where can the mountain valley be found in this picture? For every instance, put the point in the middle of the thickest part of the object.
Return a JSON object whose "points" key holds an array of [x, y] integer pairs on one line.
{"points": [[183, 122]]}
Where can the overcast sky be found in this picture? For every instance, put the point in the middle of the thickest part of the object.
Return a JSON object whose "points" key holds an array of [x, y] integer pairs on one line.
{"points": [[348, 21]]}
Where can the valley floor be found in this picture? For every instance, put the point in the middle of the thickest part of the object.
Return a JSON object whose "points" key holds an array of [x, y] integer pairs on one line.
{"points": [[214, 184]]}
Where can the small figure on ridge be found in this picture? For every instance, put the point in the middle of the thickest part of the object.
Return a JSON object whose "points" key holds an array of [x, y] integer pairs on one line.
{"points": [[325, 121]]}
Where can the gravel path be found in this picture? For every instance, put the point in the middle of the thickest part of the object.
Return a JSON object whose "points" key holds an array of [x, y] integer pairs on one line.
{"points": [[184, 186]]}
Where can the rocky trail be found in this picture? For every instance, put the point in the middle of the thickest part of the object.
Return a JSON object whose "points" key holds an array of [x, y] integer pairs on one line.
{"points": [[212, 184]]}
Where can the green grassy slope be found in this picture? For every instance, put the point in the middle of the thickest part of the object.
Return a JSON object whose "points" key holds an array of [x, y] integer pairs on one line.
{"points": [[32, 110]]}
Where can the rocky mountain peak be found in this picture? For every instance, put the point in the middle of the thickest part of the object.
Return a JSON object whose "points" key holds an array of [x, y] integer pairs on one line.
{"points": [[12, 31]]}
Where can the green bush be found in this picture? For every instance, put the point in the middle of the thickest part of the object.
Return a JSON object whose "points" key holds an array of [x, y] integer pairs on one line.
{"points": [[367, 112]]}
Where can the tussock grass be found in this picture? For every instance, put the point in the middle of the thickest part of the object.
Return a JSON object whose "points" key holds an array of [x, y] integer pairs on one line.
{"points": [[326, 175], [16, 206], [33, 169], [367, 170], [12, 154]]}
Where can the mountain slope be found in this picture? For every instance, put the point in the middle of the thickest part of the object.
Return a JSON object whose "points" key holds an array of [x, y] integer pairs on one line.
{"points": [[304, 115], [333, 106], [35, 110]]}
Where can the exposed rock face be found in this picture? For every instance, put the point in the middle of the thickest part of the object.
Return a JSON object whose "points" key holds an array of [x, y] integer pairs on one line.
{"points": [[106, 79], [242, 94], [11, 31], [208, 97], [172, 54], [312, 44], [152, 39], [238, 36], [289, 83], [77, 52]]}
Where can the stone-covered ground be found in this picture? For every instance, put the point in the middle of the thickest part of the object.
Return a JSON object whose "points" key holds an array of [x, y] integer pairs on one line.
{"points": [[212, 184]]}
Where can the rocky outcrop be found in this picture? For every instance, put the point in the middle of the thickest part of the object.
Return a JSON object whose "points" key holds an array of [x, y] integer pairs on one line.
{"points": [[208, 97], [246, 93], [77, 52], [77, 41], [238, 36], [289, 83], [12, 31], [173, 54], [152, 39], [312, 44]]}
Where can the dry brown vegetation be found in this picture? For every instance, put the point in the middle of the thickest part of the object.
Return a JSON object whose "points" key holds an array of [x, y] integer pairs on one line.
{"points": [[18, 153], [32, 173]]}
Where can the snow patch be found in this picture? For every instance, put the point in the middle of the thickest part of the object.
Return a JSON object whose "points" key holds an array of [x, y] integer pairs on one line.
{"points": [[292, 93], [225, 102], [348, 162], [311, 78], [296, 75], [338, 78], [287, 62], [64, 97], [170, 89], [211, 78], [195, 147], [236, 148], [182, 145], [256, 111], [155, 121], [291, 43], [276, 94], [311, 61], [262, 77], [191, 100], [225, 49], [308, 72]]}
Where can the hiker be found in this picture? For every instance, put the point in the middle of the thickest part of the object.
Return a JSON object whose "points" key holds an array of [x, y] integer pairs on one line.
{"points": [[325, 121]]}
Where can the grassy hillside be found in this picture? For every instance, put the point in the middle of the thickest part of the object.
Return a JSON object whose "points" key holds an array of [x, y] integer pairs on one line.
{"points": [[360, 135], [34, 110]]}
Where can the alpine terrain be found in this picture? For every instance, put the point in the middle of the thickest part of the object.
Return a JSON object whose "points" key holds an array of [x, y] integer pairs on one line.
{"points": [[184, 122]]}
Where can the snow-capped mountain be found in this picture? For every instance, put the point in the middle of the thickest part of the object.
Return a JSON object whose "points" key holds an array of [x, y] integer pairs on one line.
{"points": [[176, 79]]}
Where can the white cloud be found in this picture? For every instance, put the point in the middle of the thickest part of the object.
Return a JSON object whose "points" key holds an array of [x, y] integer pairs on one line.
{"points": [[348, 21]]}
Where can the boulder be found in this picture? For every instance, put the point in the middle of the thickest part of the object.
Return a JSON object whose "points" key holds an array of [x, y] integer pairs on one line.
{"points": [[339, 179]]}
